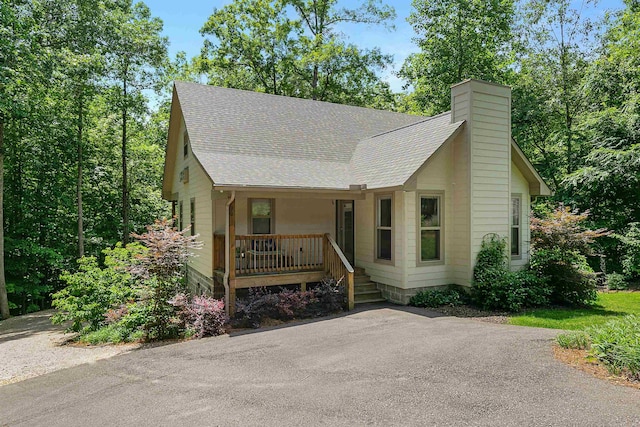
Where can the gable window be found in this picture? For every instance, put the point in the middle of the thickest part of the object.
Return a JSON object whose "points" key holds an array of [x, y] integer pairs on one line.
{"points": [[384, 228], [185, 145], [516, 229], [181, 216], [193, 216], [430, 224], [261, 216]]}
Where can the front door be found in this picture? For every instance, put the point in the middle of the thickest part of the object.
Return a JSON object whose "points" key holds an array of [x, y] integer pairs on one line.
{"points": [[345, 228]]}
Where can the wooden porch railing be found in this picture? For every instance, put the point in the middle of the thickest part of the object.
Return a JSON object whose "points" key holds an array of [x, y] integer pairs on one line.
{"points": [[338, 267], [278, 253]]}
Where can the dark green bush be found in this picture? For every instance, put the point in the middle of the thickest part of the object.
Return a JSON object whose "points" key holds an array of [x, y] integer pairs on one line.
{"points": [[572, 280], [495, 287], [617, 282], [437, 298], [617, 345]]}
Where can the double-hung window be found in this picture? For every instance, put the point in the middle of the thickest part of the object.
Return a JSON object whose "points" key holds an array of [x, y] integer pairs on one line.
{"points": [[384, 230], [430, 239], [261, 216], [185, 145], [516, 228]]}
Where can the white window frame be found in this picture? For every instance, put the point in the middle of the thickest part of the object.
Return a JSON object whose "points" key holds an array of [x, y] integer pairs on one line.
{"points": [[439, 195], [515, 256], [271, 218], [377, 227]]}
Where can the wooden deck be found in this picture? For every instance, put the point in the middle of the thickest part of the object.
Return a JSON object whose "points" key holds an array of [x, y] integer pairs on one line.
{"points": [[278, 259]]}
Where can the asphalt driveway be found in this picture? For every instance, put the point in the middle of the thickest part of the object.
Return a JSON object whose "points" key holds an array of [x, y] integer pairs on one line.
{"points": [[382, 366]]}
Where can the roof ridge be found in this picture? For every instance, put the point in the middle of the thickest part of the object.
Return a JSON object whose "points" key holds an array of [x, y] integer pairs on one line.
{"points": [[409, 125], [307, 100]]}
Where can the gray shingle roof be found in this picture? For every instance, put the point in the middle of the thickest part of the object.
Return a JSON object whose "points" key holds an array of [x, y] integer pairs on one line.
{"points": [[244, 138]]}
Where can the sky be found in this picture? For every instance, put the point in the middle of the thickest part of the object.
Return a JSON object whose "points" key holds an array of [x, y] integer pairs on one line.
{"points": [[183, 20]]}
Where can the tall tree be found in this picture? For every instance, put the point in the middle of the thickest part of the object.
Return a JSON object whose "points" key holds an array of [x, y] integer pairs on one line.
{"points": [[557, 40], [458, 39], [135, 54], [294, 48], [83, 66], [17, 50]]}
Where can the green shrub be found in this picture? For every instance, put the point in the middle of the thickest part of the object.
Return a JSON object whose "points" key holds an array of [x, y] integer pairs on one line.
{"points": [[495, 287], [578, 340], [559, 248], [92, 291], [617, 282], [617, 345], [112, 334], [437, 298]]}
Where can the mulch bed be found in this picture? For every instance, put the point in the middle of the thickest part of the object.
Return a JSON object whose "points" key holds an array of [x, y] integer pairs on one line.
{"points": [[471, 312], [579, 359]]}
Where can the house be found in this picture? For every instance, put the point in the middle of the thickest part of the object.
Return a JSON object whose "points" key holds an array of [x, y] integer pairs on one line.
{"points": [[284, 190]]}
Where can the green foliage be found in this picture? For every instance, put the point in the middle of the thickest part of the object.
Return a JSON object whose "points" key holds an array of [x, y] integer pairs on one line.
{"points": [[578, 340], [617, 345], [630, 242], [495, 287], [32, 272], [617, 282], [457, 40], [294, 48], [438, 298], [92, 290], [560, 244], [132, 294]]}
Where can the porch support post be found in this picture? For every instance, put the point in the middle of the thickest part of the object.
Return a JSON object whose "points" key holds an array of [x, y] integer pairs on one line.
{"points": [[232, 258]]}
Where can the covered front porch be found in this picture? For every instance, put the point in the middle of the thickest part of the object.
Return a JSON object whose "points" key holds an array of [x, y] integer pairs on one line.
{"points": [[259, 257]]}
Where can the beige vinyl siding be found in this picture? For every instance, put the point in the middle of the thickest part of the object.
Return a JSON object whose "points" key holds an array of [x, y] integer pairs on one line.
{"points": [[198, 187], [519, 185], [436, 178], [487, 109], [394, 275], [292, 215]]}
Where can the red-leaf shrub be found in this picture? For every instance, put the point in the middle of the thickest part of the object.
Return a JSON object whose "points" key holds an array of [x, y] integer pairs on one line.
{"points": [[202, 314]]}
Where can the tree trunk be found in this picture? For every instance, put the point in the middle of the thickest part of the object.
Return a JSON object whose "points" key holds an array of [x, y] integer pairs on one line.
{"points": [[4, 300], [125, 191], [79, 182]]}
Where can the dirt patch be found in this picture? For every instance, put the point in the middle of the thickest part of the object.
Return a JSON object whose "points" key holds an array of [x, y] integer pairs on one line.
{"points": [[471, 312], [579, 359], [30, 346]]}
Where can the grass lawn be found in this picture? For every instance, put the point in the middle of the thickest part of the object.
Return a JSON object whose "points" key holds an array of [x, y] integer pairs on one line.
{"points": [[607, 307]]}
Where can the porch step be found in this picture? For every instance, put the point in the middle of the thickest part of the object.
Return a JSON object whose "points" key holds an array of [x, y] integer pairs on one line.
{"points": [[361, 278], [365, 291]]}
